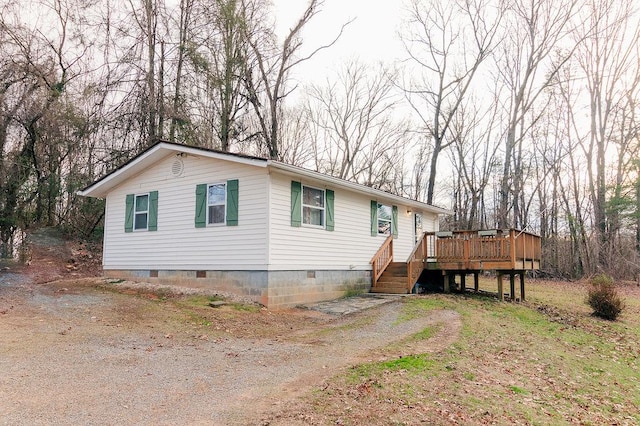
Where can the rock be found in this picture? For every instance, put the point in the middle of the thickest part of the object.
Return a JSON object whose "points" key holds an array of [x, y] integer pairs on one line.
{"points": [[217, 303]]}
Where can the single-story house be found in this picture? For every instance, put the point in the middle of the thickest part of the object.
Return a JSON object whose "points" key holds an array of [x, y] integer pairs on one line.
{"points": [[281, 234]]}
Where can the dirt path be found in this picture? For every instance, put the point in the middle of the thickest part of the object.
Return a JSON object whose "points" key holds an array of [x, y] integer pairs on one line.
{"points": [[94, 357], [73, 352]]}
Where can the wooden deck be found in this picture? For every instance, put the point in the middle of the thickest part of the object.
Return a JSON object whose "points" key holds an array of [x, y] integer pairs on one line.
{"points": [[461, 253], [482, 250]]}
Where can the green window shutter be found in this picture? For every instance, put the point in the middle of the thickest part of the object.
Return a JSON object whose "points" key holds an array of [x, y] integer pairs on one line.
{"points": [[232, 202], [296, 203], [201, 205], [374, 218], [153, 211], [330, 196], [394, 221], [128, 216]]}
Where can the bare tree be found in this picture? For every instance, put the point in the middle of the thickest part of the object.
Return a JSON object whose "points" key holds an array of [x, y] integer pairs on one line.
{"points": [[296, 137], [354, 116], [473, 131], [571, 191], [218, 52], [531, 58], [184, 25], [267, 75], [609, 62], [147, 18], [446, 42]]}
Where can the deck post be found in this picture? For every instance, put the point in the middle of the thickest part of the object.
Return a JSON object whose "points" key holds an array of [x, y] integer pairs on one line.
{"points": [[506, 252], [512, 251], [500, 290], [512, 286]]}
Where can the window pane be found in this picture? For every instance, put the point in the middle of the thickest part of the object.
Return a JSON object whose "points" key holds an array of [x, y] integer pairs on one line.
{"points": [[142, 203], [216, 214], [384, 212], [313, 216], [384, 227], [140, 221], [216, 194], [313, 197]]}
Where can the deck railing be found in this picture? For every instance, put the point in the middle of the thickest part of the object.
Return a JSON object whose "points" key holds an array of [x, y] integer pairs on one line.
{"points": [[382, 259], [509, 248], [415, 262], [460, 250]]}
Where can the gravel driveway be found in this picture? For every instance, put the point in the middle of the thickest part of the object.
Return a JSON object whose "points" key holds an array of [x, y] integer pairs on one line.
{"points": [[75, 353]]}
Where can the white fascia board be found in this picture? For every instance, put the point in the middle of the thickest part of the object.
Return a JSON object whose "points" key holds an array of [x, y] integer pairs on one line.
{"points": [[102, 186], [356, 187]]}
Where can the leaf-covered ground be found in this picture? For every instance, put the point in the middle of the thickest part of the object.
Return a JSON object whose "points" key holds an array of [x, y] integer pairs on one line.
{"points": [[546, 361]]}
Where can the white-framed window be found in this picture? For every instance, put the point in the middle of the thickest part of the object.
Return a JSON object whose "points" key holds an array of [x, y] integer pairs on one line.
{"points": [[385, 219], [141, 212], [313, 206], [216, 203]]}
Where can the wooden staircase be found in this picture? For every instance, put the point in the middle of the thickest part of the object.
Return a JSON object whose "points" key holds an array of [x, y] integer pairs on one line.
{"points": [[393, 280]]}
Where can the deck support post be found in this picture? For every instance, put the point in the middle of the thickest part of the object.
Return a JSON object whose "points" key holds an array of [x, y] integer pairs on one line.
{"points": [[500, 289], [447, 282], [522, 286], [512, 286], [476, 282], [463, 283]]}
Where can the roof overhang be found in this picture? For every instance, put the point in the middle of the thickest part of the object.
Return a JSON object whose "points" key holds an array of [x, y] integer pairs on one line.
{"points": [[162, 150], [152, 155]]}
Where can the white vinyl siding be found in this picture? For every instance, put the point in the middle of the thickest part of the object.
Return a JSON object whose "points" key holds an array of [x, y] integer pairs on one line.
{"points": [[178, 244], [350, 246], [263, 238]]}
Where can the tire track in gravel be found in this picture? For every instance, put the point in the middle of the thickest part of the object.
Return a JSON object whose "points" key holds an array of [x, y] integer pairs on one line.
{"points": [[69, 358], [346, 344]]}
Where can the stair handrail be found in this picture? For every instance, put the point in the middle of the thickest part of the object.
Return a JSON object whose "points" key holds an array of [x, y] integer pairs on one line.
{"points": [[415, 261], [382, 259]]}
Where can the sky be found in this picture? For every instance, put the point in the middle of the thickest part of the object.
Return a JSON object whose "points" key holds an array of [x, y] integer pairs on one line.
{"points": [[371, 37]]}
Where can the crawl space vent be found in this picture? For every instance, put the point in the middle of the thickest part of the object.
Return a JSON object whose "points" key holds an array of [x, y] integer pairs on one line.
{"points": [[177, 168]]}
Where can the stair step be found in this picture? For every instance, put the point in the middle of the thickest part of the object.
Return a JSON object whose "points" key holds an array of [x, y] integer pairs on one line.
{"points": [[389, 290], [402, 283], [392, 280], [396, 274], [397, 267]]}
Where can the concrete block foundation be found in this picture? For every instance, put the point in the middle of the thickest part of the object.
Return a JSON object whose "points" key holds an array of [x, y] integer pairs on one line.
{"points": [[274, 289]]}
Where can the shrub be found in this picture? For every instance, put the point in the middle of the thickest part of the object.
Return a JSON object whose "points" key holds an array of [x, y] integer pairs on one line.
{"points": [[604, 299]]}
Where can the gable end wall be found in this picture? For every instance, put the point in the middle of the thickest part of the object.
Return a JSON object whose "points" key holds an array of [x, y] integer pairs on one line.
{"points": [[178, 244]]}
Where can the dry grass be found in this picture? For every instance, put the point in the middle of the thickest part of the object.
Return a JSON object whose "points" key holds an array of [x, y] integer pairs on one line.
{"points": [[546, 361]]}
